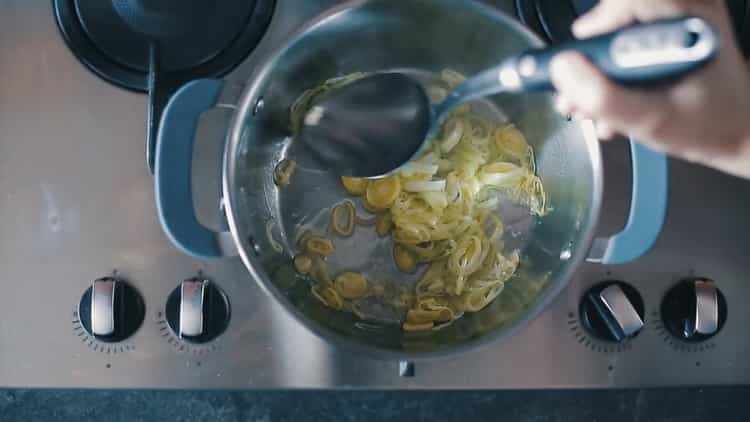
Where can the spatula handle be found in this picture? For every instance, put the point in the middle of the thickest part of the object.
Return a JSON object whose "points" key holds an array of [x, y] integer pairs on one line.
{"points": [[636, 55]]}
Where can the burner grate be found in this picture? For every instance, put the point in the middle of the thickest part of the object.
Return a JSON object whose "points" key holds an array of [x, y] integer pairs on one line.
{"points": [[155, 46]]}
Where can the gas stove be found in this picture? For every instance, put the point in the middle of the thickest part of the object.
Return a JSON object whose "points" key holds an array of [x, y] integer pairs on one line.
{"points": [[77, 218]]}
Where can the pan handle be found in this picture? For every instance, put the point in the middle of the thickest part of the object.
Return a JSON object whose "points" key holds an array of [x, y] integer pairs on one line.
{"points": [[174, 157], [648, 207]]}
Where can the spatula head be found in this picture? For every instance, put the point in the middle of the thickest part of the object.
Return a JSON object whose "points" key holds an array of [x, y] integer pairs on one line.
{"points": [[367, 128]]}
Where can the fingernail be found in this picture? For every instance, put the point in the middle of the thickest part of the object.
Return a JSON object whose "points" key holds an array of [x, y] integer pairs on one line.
{"points": [[578, 115], [562, 105], [580, 27], [576, 27]]}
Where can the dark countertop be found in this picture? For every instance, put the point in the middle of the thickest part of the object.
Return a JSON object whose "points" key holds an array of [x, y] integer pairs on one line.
{"points": [[694, 404]]}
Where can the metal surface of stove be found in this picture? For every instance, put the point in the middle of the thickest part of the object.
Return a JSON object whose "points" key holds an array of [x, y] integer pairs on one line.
{"points": [[77, 205]]}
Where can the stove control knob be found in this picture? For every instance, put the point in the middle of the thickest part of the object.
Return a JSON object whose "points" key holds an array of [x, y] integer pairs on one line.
{"points": [[612, 311], [694, 310], [111, 310], [197, 311]]}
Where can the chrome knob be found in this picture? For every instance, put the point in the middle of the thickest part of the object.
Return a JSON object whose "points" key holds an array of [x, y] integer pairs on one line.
{"points": [[111, 310], [197, 310], [694, 310], [612, 311], [192, 295], [102, 307]]}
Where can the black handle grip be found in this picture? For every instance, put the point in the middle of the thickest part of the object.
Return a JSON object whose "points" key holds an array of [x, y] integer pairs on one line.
{"points": [[635, 55]]}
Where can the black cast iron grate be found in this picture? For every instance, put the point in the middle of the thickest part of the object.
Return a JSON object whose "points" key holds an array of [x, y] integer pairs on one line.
{"points": [[155, 46]]}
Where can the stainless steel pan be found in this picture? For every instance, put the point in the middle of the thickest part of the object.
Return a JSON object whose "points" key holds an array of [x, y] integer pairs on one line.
{"points": [[423, 37]]}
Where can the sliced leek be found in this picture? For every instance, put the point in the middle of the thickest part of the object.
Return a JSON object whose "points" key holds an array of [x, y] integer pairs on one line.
{"points": [[381, 193], [278, 247], [405, 259], [282, 173], [351, 285], [303, 264], [343, 218], [354, 185], [383, 224], [440, 212], [424, 186], [319, 245]]}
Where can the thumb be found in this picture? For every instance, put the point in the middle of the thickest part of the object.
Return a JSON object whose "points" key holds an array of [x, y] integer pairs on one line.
{"points": [[590, 92], [606, 16]]}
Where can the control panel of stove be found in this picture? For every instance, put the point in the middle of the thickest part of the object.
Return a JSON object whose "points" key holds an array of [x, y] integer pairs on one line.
{"points": [[197, 311]]}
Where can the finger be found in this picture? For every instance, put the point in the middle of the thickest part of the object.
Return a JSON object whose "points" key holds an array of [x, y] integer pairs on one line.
{"points": [[607, 16], [610, 15], [594, 95], [578, 80], [648, 10]]}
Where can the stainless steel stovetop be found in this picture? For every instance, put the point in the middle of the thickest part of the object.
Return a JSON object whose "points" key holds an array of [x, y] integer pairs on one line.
{"points": [[77, 203]]}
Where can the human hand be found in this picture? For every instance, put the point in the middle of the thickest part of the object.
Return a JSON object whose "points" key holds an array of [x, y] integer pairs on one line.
{"points": [[703, 117]]}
